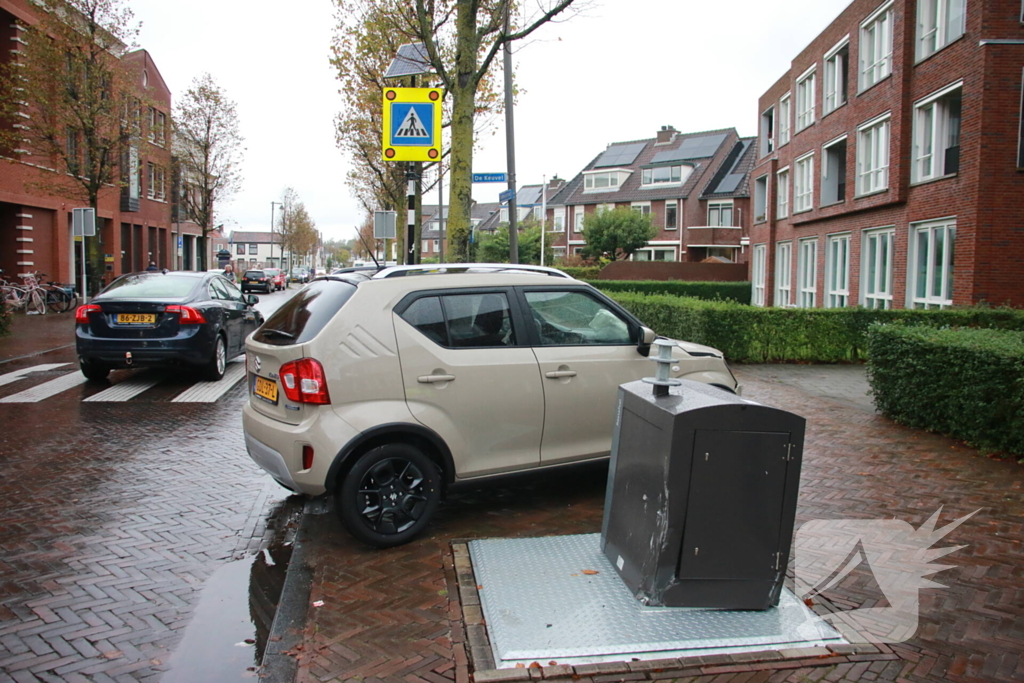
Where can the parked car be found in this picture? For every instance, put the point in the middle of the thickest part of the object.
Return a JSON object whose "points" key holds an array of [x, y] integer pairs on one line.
{"points": [[180, 318], [257, 279], [299, 275], [277, 276], [385, 390]]}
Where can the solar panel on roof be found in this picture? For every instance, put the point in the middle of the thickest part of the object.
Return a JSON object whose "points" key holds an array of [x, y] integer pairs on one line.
{"points": [[411, 60], [730, 182], [620, 155], [692, 148]]}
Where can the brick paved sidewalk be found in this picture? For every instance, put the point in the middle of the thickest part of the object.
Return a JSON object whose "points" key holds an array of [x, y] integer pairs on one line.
{"points": [[32, 334], [395, 615]]}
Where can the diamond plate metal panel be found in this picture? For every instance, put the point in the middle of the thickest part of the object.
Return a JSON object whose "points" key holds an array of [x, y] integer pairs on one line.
{"points": [[542, 602]]}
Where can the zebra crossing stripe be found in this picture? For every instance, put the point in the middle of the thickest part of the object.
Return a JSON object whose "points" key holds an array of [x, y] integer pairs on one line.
{"points": [[209, 392], [128, 389], [9, 377], [47, 389]]}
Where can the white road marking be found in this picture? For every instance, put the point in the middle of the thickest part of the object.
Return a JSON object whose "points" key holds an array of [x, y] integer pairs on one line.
{"points": [[20, 374], [128, 389], [47, 389], [209, 392]]}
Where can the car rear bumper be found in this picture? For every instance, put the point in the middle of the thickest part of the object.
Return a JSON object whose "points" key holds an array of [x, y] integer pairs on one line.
{"points": [[194, 349], [271, 461]]}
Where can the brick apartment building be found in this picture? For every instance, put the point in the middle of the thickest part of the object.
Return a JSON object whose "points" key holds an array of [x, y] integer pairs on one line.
{"points": [[890, 166], [133, 222], [693, 185]]}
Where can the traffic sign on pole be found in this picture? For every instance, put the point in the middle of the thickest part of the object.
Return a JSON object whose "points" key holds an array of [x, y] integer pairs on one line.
{"points": [[83, 222], [506, 195], [490, 178], [384, 225], [412, 124]]}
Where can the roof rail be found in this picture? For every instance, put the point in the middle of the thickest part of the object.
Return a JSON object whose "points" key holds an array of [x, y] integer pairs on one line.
{"points": [[451, 268]]}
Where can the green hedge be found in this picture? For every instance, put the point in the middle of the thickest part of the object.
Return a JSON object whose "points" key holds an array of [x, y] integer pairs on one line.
{"points": [[5, 318], [734, 291], [968, 384], [752, 334], [580, 272]]}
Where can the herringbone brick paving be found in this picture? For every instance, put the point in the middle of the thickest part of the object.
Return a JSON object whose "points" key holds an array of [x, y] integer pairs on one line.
{"points": [[394, 615]]}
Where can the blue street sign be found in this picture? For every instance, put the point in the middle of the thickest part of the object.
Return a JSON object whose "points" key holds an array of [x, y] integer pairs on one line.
{"points": [[506, 195], [412, 124], [489, 178], [181, 241]]}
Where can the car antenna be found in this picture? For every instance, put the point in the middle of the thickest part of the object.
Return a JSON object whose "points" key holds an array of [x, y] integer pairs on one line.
{"points": [[368, 249]]}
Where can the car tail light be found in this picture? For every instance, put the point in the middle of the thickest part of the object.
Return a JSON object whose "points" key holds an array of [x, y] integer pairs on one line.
{"points": [[307, 457], [82, 314], [304, 382], [189, 315]]}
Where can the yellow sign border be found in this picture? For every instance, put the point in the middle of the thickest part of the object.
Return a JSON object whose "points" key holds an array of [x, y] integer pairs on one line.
{"points": [[432, 96]]}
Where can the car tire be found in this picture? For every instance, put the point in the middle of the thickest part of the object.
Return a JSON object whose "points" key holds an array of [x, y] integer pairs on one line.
{"points": [[93, 371], [390, 495], [214, 369]]}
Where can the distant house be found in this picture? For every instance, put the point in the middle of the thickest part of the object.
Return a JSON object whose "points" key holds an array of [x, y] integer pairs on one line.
{"points": [[254, 249], [430, 233]]}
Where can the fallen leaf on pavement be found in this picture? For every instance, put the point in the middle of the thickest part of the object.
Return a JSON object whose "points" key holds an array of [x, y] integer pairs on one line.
{"points": [[590, 572], [113, 654]]}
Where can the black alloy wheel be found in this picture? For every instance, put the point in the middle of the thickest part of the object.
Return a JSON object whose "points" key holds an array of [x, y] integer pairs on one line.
{"points": [[214, 369], [390, 495], [93, 371]]}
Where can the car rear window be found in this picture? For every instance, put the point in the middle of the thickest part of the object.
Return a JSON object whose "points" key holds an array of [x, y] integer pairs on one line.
{"points": [[253, 273], [303, 316], [150, 286]]}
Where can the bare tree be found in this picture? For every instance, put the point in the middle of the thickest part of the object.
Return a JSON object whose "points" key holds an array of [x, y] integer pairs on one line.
{"points": [[298, 230], [208, 149]]}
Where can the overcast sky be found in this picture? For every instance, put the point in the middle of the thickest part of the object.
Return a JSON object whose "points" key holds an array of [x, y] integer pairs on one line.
{"points": [[618, 72]]}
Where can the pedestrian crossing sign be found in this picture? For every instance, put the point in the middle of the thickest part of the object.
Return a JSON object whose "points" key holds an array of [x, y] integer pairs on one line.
{"points": [[412, 124]]}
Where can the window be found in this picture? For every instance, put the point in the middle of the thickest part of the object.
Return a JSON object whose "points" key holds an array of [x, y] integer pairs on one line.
{"points": [[569, 318], [837, 271], [478, 320], [876, 268], [761, 198], [151, 178], [665, 175], [671, 215], [73, 152], [604, 181], [436, 246], [931, 264], [240, 249], [939, 23], [601, 208], [559, 220], [652, 254], [836, 61], [643, 208], [784, 274], [425, 246], [876, 46], [782, 191], [254, 249], [807, 273], [720, 214], [873, 156], [833, 172], [936, 150], [768, 132], [803, 184], [757, 274], [503, 218], [785, 103], [805, 100], [577, 219], [158, 182], [426, 316]]}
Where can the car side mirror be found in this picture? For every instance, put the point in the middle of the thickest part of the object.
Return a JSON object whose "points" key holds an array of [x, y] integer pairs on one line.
{"points": [[251, 299], [647, 337]]}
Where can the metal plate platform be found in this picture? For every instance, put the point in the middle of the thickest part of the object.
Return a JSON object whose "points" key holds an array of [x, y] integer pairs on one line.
{"points": [[543, 602]]}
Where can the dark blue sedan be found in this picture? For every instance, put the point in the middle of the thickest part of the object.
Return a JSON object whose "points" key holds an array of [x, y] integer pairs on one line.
{"points": [[197, 320]]}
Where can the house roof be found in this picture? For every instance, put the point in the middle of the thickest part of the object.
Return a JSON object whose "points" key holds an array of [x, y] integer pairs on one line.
{"points": [[253, 237], [733, 178]]}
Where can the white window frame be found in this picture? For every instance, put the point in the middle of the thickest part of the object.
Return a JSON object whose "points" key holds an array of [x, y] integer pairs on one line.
{"points": [[677, 176], [766, 137], [503, 216], [926, 143], [577, 218], [601, 208], [718, 208], [558, 220], [782, 190], [650, 252], [934, 270], [757, 272], [875, 59], [617, 174], [782, 123], [933, 21], [837, 270], [877, 258], [873, 155], [643, 208], [805, 98], [761, 196], [675, 205], [425, 247], [825, 169], [784, 274], [834, 82], [807, 273], [803, 174]]}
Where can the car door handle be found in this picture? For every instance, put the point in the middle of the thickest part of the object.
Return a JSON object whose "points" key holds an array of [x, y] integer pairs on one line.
{"points": [[429, 379], [556, 374]]}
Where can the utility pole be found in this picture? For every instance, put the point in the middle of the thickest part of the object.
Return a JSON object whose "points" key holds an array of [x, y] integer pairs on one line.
{"points": [[510, 145]]}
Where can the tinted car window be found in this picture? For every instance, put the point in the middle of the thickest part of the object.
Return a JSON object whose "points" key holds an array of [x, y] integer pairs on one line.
{"points": [[426, 316], [219, 289], [253, 273], [574, 318], [477, 320], [233, 291], [303, 316], [150, 286]]}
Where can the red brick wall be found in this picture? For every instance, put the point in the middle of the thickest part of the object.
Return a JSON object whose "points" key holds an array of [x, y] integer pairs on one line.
{"points": [[666, 270]]}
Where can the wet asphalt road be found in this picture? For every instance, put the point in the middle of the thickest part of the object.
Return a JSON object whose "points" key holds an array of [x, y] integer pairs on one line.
{"points": [[129, 528]]}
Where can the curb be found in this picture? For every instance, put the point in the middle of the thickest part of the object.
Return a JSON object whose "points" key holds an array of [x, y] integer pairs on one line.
{"points": [[36, 353]]}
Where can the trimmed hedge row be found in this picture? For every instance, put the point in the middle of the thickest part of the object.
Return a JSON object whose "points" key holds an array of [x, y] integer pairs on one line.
{"points": [[750, 334], [968, 384], [734, 291]]}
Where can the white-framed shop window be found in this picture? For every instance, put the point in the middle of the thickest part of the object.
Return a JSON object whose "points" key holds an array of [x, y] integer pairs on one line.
{"points": [[930, 270], [876, 264], [757, 265], [873, 155], [837, 271], [807, 273], [784, 274]]}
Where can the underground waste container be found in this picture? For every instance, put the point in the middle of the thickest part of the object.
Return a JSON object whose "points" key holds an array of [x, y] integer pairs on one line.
{"points": [[701, 498]]}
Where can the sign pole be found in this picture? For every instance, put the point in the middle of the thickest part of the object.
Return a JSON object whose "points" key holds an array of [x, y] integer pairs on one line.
{"points": [[85, 297], [543, 214], [510, 148]]}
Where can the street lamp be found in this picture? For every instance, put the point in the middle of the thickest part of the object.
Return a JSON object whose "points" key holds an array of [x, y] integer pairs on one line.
{"points": [[272, 204]]}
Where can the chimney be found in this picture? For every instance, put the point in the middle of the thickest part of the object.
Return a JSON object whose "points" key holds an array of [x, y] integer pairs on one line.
{"points": [[665, 135], [555, 183]]}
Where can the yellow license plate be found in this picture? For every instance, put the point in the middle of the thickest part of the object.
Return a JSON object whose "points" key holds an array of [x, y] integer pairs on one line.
{"points": [[136, 318], [265, 389]]}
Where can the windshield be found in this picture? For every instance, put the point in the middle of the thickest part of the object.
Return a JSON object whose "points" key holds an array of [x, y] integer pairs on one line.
{"points": [[150, 286], [303, 316]]}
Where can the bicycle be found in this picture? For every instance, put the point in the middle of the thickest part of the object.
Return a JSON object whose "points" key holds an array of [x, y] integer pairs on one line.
{"points": [[15, 296], [35, 294], [60, 298]]}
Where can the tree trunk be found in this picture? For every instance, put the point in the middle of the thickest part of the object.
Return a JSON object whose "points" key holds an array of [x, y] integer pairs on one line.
{"points": [[463, 93]]}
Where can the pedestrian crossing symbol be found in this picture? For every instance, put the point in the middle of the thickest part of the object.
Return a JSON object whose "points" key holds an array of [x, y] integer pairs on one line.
{"points": [[412, 124]]}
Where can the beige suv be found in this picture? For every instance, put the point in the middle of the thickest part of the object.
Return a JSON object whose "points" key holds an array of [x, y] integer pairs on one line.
{"points": [[386, 390]]}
